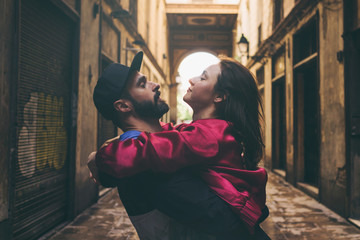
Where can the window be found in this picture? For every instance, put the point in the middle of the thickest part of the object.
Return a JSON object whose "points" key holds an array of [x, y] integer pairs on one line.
{"points": [[278, 12], [260, 76], [305, 41], [259, 35]]}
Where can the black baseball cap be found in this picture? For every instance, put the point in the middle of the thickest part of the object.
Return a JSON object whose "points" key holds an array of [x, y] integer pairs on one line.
{"points": [[111, 84]]}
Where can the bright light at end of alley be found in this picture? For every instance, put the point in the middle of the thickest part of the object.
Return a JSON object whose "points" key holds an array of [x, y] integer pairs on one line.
{"points": [[192, 65]]}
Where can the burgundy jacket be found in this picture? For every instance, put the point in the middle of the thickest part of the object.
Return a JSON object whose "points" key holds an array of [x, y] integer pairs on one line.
{"points": [[207, 143]]}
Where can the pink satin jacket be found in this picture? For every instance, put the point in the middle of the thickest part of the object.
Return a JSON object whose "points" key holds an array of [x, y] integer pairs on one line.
{"points": [[206, 143]]}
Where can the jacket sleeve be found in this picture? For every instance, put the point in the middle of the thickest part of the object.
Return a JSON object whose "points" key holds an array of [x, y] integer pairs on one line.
{"points": [[165, 151]]}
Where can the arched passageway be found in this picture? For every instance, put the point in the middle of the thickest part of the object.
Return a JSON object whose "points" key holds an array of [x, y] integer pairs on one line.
{"points": [[195, 27]]}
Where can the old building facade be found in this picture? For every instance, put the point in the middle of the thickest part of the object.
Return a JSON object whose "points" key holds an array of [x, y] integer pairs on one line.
{"points": [[303, 54], [52, 53]]}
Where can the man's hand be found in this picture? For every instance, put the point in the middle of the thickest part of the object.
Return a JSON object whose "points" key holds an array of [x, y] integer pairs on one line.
{"points": [[94, 172], [109, 141]]}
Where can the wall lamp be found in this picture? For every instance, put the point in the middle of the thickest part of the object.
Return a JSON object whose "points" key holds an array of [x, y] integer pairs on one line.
{"points": [[243, 44], [139, 42]]}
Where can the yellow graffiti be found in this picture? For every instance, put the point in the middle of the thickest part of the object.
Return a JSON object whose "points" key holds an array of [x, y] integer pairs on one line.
{"points": [[43, 118], [26, 142], [51, 138], [61, 138]]}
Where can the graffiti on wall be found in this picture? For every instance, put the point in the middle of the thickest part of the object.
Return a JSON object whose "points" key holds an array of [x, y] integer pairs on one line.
{"points": [[42, 143]]}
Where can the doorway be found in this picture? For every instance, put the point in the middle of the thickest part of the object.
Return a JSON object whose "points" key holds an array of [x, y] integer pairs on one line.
{"points": [[307, 123], [279, 125], [307, 107]]}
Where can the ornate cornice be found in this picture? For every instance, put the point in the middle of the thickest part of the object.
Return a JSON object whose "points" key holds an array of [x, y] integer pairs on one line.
{"points": [[300, 10]]}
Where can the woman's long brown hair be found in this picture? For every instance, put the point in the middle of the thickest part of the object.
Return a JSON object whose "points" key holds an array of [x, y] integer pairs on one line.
{"points": [[242, 107]]}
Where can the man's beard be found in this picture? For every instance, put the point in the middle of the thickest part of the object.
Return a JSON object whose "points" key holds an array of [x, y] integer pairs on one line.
{"points": [[148, 109]]}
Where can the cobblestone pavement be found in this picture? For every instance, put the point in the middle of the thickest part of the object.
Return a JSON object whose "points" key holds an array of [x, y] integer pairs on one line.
{"points": [[293, 215], [106, 220]]}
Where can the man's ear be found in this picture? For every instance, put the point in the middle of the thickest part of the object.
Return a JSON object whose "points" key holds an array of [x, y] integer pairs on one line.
{"points": [[123, 105], [219, 98]]}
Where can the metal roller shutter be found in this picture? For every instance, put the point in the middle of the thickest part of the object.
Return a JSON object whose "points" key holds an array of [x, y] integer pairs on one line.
{"points": [[43, 119]]}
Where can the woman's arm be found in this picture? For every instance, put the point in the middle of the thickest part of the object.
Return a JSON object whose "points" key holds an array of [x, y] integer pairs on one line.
{"points": [[165, 151]]}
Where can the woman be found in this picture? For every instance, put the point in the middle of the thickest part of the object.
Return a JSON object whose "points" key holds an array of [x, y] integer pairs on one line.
{"points": [[222, 145]]}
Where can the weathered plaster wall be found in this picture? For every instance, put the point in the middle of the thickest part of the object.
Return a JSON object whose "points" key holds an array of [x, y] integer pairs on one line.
{"points": [[267, 113], [267, 19], [332, 109], [109, 41], [86, 190], [152, 25], [289, 98], [254, 8]]}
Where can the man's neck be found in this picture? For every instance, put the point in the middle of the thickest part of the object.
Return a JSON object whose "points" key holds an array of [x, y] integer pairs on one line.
{"points": [[142, 125]]}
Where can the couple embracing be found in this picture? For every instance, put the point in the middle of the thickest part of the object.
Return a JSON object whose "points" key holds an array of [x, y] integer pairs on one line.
{"points": [[190, 181]]}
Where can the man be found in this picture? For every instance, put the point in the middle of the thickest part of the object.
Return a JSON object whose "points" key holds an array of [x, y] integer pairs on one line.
{"points": [[124, 96]]}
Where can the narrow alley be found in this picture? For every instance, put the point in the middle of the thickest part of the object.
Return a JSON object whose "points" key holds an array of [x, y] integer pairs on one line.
{"points": [[293, 215], [303, 54]]}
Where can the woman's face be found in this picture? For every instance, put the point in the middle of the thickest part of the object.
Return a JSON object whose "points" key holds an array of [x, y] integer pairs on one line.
{"points": [[201, 93]]}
